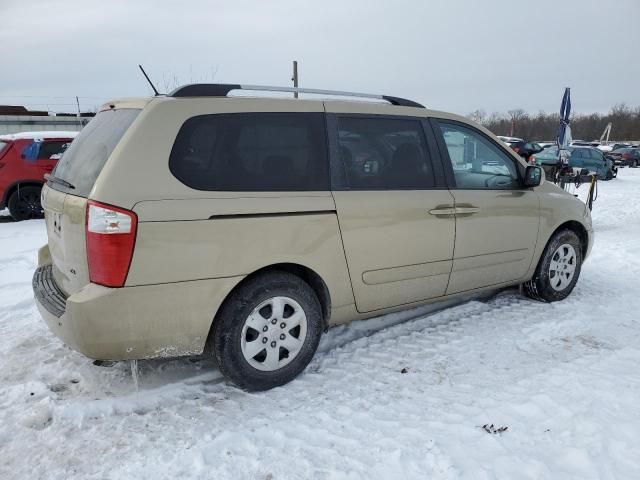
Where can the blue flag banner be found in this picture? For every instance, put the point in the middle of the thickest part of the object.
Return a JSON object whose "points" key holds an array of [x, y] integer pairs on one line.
{"points": [[565, 113]]}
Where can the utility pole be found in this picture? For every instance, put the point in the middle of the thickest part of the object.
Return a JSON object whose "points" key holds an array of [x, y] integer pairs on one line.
{"points": [[295, 77], [79, 115]]}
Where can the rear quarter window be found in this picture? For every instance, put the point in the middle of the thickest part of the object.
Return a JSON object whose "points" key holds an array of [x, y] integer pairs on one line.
{"points": [[252, 152]]}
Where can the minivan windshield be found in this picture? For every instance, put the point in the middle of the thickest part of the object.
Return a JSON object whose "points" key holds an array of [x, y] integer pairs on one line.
{"points": [[82, 162]]}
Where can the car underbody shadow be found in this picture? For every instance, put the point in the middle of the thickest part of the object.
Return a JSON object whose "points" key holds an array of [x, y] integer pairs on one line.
{"points": [[158, 373]]}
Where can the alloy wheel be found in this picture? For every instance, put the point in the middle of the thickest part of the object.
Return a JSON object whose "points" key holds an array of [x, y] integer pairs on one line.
{"points": [[562, 267], [28, 205], [273, 334]]}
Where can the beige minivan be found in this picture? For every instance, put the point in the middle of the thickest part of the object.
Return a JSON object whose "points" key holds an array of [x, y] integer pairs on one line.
{"points": [[245, 227]]}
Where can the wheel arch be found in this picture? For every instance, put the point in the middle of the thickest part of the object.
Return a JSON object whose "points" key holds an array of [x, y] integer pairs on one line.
{"points": [[577, 228], [15, 185], [306, 274]]}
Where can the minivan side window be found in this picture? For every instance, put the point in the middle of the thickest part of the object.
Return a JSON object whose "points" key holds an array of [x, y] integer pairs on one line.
{"points": [[252, 152], [383, 154], [478, 164]]}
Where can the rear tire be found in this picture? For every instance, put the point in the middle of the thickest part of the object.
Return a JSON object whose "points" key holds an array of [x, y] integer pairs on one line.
{"points": [[24, 203], [635, 164], [267, 331], [558, 269]]}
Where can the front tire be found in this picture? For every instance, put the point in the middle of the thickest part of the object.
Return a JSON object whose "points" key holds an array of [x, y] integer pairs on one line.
{"points": [[558, 269], [24, 203], [267, 331]]}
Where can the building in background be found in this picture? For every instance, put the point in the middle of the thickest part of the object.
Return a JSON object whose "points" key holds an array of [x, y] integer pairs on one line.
{"points": [[16, 118]]}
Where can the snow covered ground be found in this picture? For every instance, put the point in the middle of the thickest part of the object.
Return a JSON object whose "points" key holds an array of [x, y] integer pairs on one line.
{"points": [[564, 378]]}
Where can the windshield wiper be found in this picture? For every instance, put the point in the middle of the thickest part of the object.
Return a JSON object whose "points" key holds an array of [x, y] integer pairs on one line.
{"points": [[50, 178]]}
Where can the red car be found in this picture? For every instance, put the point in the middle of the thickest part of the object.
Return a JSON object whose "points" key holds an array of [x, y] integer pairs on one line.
{"points": [[24, 159]]}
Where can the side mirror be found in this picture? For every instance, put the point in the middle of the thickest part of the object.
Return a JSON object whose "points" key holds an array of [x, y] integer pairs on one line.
{"points": [[532, 176]]}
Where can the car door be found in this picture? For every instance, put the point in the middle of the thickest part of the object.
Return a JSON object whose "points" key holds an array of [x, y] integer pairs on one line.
{"points": [[394, 209], [597, 162], [496, 218], [578, 159]]}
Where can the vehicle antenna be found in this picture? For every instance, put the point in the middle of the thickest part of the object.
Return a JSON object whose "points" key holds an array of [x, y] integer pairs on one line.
{"points": [[149, 80]]}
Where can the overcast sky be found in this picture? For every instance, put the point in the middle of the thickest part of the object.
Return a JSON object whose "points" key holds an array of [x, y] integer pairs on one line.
{"points": [[451, 55]]}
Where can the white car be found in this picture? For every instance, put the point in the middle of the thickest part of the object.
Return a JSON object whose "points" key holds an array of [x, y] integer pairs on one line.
{"points": [[509, 140]]}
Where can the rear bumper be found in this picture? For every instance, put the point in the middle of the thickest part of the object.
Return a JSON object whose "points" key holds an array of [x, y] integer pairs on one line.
{"points": [[149, 321], [623, 163], [47, 293]]}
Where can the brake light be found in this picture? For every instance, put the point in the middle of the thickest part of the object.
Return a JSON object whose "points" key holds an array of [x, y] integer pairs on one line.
{"points": [[516, 149], [626, 155], [111, 236], [532, 160]]}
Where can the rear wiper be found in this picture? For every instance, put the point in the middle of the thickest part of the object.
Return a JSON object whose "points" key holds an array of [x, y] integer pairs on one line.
{"points": [[50, 178]]}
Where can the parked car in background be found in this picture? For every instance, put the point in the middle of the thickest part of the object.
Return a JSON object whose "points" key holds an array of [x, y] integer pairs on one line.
{"points": [[525, 149], [521, 147], [251, 225], [625, 157], [616, 146], [508, 140], [581, 157], [24, 160], [584, 143]]}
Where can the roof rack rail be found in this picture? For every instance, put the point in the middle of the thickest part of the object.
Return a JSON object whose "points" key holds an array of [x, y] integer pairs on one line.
{"points": [[223, 89]]}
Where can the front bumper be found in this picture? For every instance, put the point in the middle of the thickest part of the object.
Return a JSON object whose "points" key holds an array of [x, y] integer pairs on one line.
{"points": [[149, 321], [590, 238]]}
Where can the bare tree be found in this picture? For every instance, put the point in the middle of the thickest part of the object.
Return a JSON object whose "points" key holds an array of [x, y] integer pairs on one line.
{"points": [[171, 81], [544, 126], [515, 116], [478, 116]]}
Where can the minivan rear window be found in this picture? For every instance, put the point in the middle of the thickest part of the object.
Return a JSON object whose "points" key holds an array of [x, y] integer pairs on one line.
{"points": [[82, 162], [252, 152]]}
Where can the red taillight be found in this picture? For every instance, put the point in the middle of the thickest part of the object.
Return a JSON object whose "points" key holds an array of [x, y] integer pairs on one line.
{"points": [[626, 155], [516, 149], [111, 236]]}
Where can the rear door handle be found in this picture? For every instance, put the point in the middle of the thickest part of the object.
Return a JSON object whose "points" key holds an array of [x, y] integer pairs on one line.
{"points": [[443, 211], [466, 210]]}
